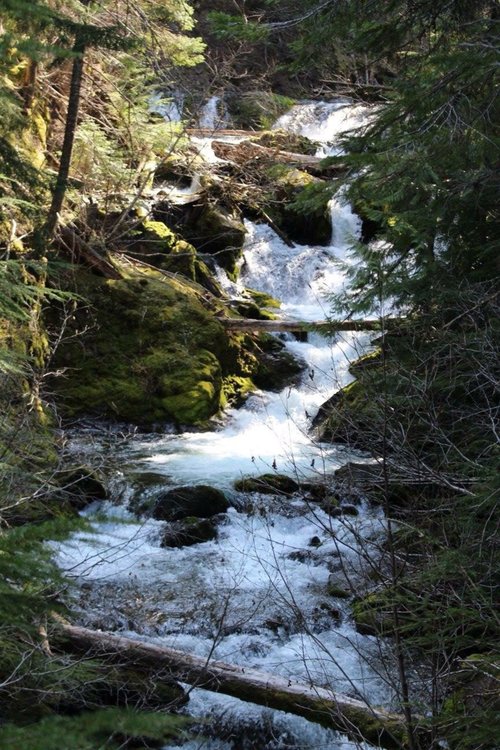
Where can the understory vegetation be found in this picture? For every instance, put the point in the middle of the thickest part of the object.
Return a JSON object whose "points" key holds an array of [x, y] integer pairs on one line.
{"points": [[110, 309]]}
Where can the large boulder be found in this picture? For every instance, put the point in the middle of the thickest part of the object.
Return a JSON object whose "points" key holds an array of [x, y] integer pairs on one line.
{"points": [[189, 531], [78, 487], [218, 232], [277, 367], [200, 501], [151, 354], [300, 205]]}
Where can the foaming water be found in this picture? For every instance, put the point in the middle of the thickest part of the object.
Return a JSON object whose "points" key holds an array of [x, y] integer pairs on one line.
{"points": [[325, 122], [213, 114], [258, 594]]}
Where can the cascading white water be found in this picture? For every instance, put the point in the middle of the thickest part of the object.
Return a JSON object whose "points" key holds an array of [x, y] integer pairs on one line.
{"points": [[168, 106], [325, 122], [258, 595], [213, 114]]}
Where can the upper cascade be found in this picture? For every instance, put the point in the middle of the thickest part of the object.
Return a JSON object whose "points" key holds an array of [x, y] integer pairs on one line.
{"points": [[213, 115], [325, 122]]}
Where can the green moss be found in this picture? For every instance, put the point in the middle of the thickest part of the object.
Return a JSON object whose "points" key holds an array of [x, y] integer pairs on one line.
{"points": [[181, 260], [152, 355], [271, 484], [111, 728], [257, 109], [337, 592], [262, 299], [235, 389], [282, 140], [372, 615], [159, 232]]}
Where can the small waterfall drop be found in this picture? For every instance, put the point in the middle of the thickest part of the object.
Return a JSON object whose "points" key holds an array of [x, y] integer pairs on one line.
{"points": [[213, 115], [258, 596]]}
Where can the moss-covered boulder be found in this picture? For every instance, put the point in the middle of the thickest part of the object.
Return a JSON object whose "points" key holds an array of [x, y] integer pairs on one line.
{"points": [[299, 205], [199, 501], [283, 140], [268, 484], [155, 243], [255, 110], [218, 232], [373, 614], [189, 531], [277, 367], [151, 354], [345, 418]]}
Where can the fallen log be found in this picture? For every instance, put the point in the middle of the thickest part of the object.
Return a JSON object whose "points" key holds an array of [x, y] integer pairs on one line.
{"points": [[221, 133], [79, 251], [275, 326], [353, 717], [245, 151]]}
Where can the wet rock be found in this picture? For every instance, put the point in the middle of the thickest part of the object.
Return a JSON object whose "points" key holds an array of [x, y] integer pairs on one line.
{"points": [[189, 531], [315, 541], [349, 510], [336, 591], [268, 484], [79, 487], [278, 369], [330, 504], [301, 555], [315, 490], [200, 501], [344, 510], [334, 613]]}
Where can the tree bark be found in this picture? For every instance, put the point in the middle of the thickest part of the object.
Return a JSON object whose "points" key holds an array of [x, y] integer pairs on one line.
{"points": [[353, 717], [248, 324], [69, 137], [79, 251], [240, 153]]}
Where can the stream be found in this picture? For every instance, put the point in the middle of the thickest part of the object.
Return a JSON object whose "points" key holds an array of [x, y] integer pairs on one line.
{"points": [[259, 594]]}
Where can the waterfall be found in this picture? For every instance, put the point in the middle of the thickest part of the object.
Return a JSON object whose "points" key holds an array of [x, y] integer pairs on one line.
{"points": [[213, 115], [257, 596]]}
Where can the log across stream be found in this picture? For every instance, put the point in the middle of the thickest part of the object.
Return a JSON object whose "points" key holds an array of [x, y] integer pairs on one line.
{"points": [[331, 709]]}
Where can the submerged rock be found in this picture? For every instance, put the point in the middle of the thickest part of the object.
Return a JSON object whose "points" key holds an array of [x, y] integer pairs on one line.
{"points": [[200, 501]]}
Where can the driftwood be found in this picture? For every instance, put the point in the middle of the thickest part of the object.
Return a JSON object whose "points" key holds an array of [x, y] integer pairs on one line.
{"points": [[248, 324], [221, 133], [247, 151], [331, 709]]}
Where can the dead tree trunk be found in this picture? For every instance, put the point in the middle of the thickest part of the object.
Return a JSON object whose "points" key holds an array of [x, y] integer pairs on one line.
{"points": [[334, 710], [248, 324]]}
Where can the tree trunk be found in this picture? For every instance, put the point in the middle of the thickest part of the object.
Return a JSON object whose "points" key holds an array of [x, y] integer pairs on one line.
{"points": [[353, 717], [248, 324], [69, 137]]}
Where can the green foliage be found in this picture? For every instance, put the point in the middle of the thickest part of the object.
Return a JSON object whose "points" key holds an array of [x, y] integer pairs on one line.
{"points": [[107, 729], [28, 574], [427, 175], [226, 26]]}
